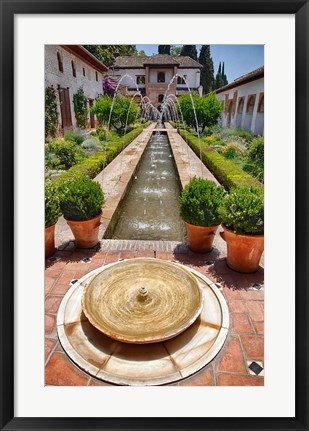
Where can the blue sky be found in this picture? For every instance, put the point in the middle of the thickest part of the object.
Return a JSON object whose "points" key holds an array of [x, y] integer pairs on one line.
{"points": [[238, 59]]}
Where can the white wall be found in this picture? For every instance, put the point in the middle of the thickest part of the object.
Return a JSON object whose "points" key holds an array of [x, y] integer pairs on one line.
{"points": [[65, 79], [255, 121], [193, 78], [127, 81]]}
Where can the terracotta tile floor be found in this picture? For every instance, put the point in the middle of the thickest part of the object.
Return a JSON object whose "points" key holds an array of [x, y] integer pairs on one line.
{"points": [[245, 341]]}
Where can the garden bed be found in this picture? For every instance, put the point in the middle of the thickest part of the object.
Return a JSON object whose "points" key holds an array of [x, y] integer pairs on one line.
{"points": [[226, 171], [93, 164]]}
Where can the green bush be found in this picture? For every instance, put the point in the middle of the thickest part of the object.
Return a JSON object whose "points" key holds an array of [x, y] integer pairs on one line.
{"points": [[232, 151], [52, 203], [101, 133], [67, 152], [90, 144], [246, 134], [200, 201], [243, 211], [255, 161], [74, 137], [81, 198], [80, 108], [226, 172]]}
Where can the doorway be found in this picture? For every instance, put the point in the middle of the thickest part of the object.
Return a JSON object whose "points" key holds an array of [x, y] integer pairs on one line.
{"points": [[65, 108]]}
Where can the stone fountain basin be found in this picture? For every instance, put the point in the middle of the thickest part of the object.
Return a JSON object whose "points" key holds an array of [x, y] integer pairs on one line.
{"points": [[143, 300]]}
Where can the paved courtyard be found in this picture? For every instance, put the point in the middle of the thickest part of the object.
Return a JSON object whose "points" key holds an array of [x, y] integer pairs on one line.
{"points": [[240, 361]]}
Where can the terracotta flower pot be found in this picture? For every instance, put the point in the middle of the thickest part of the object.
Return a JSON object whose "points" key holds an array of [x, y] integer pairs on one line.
{"points": [[200, 238], [243, 251], [50, 241], [86, 232]]}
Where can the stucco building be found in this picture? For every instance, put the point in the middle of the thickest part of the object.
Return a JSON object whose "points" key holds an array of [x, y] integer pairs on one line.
{"points": [[67, 69], [244, 102], [153, 74]]}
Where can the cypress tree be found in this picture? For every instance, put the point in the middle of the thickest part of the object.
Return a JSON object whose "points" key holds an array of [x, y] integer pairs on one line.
{"points": [[207, 73], [190, 51], [219, 80], [224, 78], [164, 49]]}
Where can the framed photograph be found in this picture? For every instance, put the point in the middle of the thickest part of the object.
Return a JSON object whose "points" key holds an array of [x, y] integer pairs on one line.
{"points": [[62, 387]]}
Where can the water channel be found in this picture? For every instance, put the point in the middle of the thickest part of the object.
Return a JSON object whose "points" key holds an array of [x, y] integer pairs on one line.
{"points": [[150, 210]]}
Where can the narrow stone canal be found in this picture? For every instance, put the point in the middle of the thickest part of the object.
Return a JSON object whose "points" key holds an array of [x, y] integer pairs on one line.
{"points": [[150, 210]]}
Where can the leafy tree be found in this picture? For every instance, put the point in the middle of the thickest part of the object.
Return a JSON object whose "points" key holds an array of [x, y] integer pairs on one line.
{"points": [[142, 53], [208, 109], [207, 73], [108, 53], [190, 51], [119, 114], [164, 49], [175, 50]]}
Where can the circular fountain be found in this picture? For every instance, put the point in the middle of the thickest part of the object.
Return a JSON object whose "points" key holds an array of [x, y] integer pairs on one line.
{"points": [[142, 322], [143, 301]]}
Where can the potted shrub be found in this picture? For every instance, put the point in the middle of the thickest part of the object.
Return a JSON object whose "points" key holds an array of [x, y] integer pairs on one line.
{"points": [[243, 222], [200, 201], [52, 209], [81, 204]]}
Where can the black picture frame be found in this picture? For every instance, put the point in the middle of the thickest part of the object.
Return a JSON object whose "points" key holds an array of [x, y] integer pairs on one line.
{"points": [[11, 7]]}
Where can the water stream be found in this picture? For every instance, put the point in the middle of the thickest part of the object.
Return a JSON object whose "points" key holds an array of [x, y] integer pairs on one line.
{"points": [[150, 210]]}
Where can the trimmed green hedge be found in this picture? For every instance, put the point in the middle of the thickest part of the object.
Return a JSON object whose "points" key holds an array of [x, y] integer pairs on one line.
{"points": [[226, 172], [93, 165]]}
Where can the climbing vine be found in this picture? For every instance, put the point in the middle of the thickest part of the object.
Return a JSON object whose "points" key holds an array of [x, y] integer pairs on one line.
{"points": [[51, 112], [80, 108]]}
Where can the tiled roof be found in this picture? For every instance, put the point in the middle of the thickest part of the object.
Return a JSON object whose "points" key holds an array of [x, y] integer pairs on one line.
{"points": [[158, 60], [248, 77], [161, 59]]}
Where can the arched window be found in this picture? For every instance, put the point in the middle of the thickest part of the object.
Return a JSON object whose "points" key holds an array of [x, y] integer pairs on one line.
{"points": [[261, 103], [250, 103], [161, 77], [240, 105], [60, 63], [181, 79], [160, 98], [73, 68]]}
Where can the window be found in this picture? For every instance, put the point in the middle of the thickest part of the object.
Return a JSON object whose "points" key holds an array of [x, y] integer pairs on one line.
{"points": [[181, 80], [161, 77], [160, 98], [60, 63], [84, 71], [96, 76], [73, 68], [140, 79]]}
